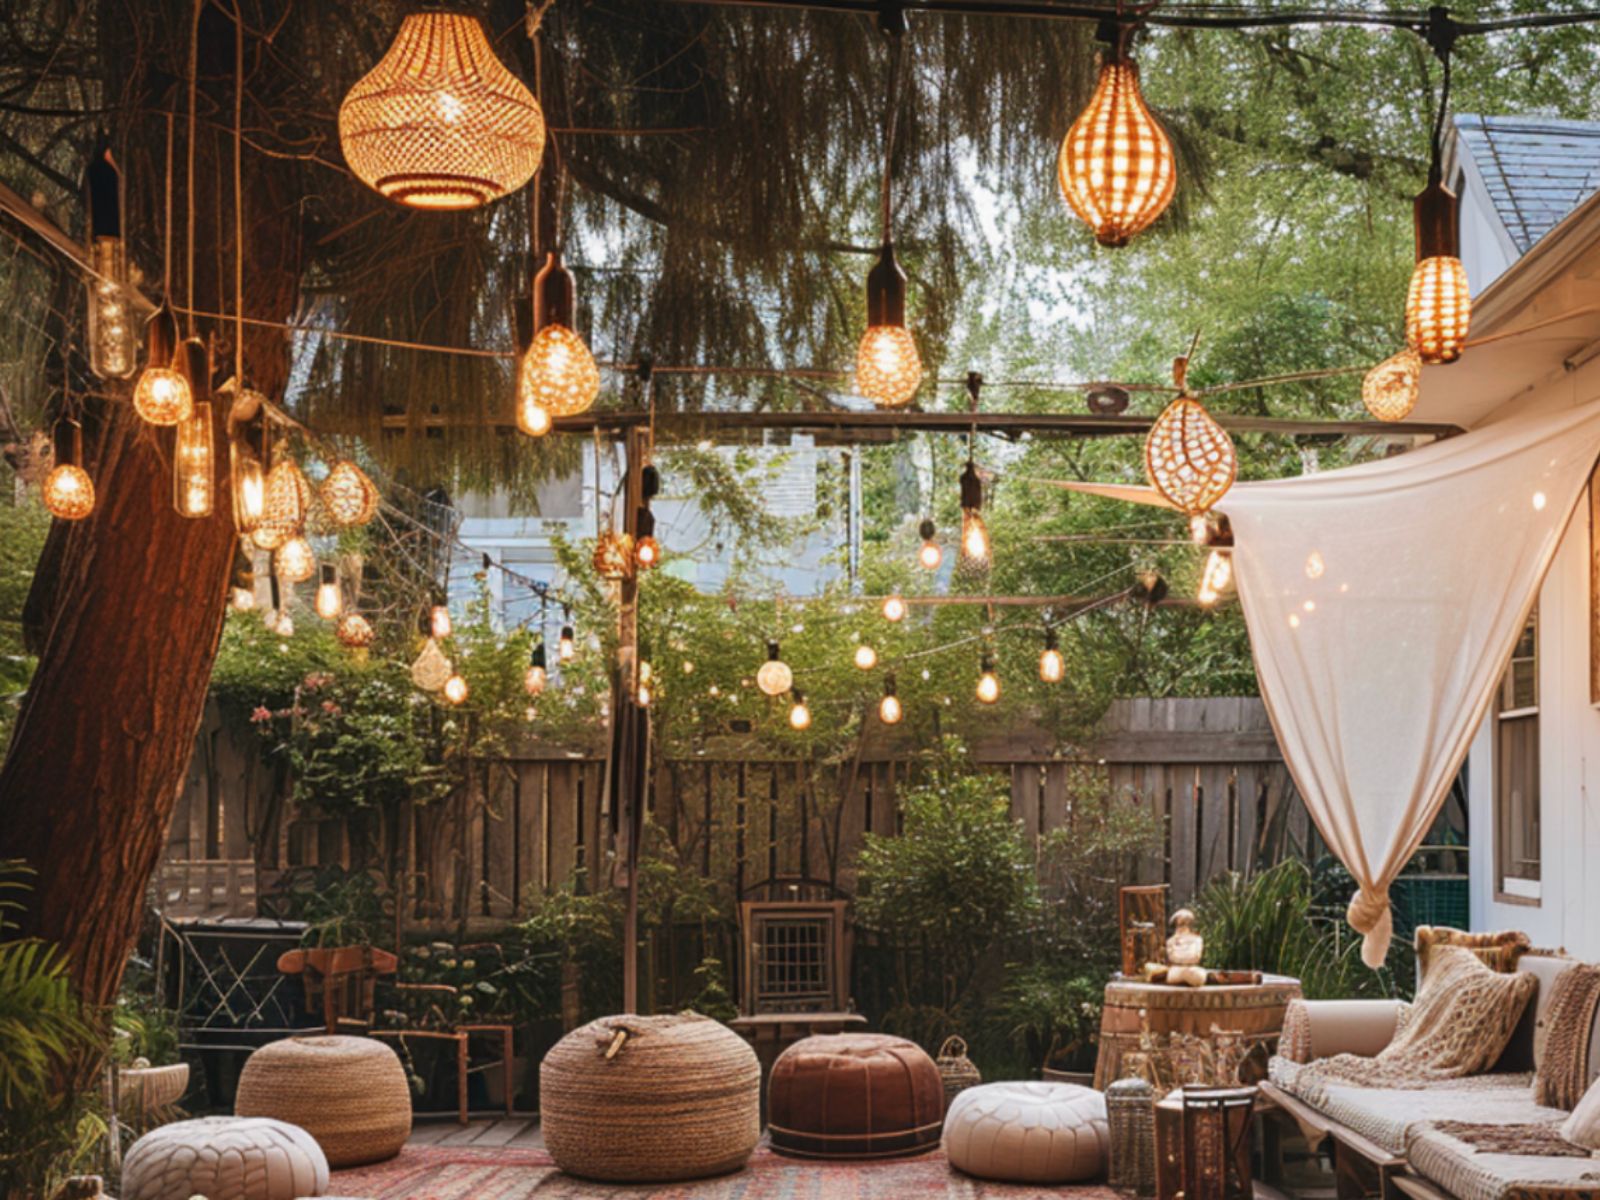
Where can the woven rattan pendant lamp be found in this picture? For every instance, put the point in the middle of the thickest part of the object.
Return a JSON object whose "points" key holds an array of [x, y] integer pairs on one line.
{"points": [[1188, 457], [1438, 302], [440, 123], [1116, 167]]}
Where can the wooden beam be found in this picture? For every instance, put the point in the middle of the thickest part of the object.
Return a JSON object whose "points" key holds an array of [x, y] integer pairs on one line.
{"points": [[25, 214]]}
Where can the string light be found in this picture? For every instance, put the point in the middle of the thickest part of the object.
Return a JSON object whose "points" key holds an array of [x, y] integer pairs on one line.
{"points": [[894, 608], [889, 709], [930, 555], [161, 395], [350, 497], [192, 483], [866, 657], [566, 646], [799, 713], [1116, 167], [439, 122], [330, 601], [646, 550], [774, 678], [988, 689], [294, 562], [974, 533], [455, 690], [537, 676], [558, 376], [68, 492], [111, 330], [1052, 667], [1391, 388]]}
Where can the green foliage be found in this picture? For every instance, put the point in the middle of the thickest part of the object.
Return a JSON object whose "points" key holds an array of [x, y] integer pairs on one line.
{"points": [[1053, 1014], [1267, 922], [22, 532], [503, 980], [143, 1028], [339, 907], [713, 999]]}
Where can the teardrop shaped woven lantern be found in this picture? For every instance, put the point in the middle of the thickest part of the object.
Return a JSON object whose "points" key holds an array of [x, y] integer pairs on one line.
{"points": [[440, 123], [1188, 457], [1390, 389], [283, 512], [431, 668], [558, 376], [1116, 166], [348, 495]]}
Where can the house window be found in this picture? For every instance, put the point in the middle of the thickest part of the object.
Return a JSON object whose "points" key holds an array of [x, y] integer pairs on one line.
{"points": [[1516, 773]]}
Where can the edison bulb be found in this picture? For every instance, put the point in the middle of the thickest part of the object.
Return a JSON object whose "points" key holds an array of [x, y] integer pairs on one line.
{"points": [[888, 367], [774, 678], [647, 553], [1216, 577], [988, 690], [894, 609], [1052, 667], [974, 539], [69, 492], [558, 375], [889, 711], [1438, 309], [329, 602], [799, 714], [930, 556], [533, 418], [866, 657], [439, 622], [162, 396], [534, 681], [294, 561], [567, 647], [455, 690]]}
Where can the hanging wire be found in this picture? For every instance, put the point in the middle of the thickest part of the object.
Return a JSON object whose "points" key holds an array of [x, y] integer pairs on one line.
{"points": [[194, 88], [238, 203], [891, 112]]}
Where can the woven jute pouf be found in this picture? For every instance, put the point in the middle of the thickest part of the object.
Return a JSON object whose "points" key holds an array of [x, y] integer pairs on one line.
{"points": [[629, 1098], [854, 1095], [349, 1093]]}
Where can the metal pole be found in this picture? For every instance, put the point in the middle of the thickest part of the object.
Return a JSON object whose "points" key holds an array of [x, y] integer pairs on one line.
{"points": [[631, 718]]}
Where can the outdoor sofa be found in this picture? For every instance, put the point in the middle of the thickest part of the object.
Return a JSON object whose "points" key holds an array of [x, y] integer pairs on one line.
{"points": [[1387, 1141]]}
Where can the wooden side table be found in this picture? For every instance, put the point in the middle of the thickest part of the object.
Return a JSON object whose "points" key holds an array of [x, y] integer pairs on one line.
{"points": [[1254, 1010]]}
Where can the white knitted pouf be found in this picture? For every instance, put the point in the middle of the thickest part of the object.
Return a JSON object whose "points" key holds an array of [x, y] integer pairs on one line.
{"points": [[240, 1158], [1028, 1132]]}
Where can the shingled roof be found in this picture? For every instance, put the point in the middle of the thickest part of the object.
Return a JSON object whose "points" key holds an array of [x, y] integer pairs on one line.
{"points": [[1537, 169]]}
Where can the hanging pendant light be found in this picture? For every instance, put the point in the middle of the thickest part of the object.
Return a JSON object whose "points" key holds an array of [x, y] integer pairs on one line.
{"points": [[440, 123], [355, 631], [537, 676], [68, 492], [557, 376], [112, 331], [330, 601], [294, 561], [1438, 302], [889, 709], [285, 504], [162, 396], [988, 689], [567, 645], [866, 657], [930, 554], [1188, 457], [646, 550], [1116, 167], [431, 668], [1052, 667], [455, 690], [247, 482], [348, 494], [974, 533], [799, 713], [888, 367], [439, 626], [192, 483], [1390, 389], [774, 678]]}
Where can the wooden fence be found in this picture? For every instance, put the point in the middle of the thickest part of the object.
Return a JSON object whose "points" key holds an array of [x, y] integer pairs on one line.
{"points": [[1209, 769]]}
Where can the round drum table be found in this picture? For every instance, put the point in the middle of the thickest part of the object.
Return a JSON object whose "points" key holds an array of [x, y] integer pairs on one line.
{"points": [[1254, 1010]]}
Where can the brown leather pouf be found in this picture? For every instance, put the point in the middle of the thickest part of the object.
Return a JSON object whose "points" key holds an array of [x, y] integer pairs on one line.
{"points": [[854, 1095]]}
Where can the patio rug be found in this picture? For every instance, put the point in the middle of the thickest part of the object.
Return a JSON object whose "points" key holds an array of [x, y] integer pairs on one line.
{"points": [[467, 1173]]}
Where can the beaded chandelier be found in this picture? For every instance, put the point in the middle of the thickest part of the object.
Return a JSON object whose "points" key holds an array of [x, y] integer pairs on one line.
{"points": [[440, 123], [1116, 166]]}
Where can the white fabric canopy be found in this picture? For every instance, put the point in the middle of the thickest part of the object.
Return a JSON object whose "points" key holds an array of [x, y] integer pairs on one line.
{"points": [[1383, 602]]}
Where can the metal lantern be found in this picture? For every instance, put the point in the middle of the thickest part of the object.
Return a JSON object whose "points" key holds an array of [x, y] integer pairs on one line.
{"points": [[774, 678], [348, 495], [888, 367], [1390, 389], [285, 504], [558, 376], [1438, 303], [1131, 1116], [68, 491], [1116, 166], [440, 123], [1188, 457]]}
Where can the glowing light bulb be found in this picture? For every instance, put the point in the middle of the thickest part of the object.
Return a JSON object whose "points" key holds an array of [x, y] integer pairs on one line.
{"points": [[1216, 578], [1116, 167], [533, 418], [244, 599], [113, 346], [888, 367], [330, 602], [294, 562], [866, 657], [1199, 529], [774, 678], [799, 713], [988, 689], [557, 374], [974, 534], [249, 488], [455, 690], [1052, 667], [567, 646], [192, 482], [439, 622], [644, 695], [647, 553], [1391, 388], [534, 681], [930, 554], [894, 608], [889, 710], [69, 492], [688, 667]]}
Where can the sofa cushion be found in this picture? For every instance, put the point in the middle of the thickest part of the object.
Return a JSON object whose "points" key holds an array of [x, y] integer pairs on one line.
{"points": [[1583, 1126], [1455, 1167], [1526, 1047], [1565, 1031]]}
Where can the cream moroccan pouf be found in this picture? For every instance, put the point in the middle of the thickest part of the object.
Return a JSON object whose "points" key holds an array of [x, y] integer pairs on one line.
{"points": [[630, 1099], [350, 1093], [1028, 1132], [241, 1158]]}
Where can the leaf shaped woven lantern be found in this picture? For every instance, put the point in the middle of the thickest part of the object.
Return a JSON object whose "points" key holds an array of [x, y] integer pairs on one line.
{"points": [[1116, 166], [284, 506], [440, 123], [349, 496], [1188, 457], [431, 668], [1390, 389]]}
